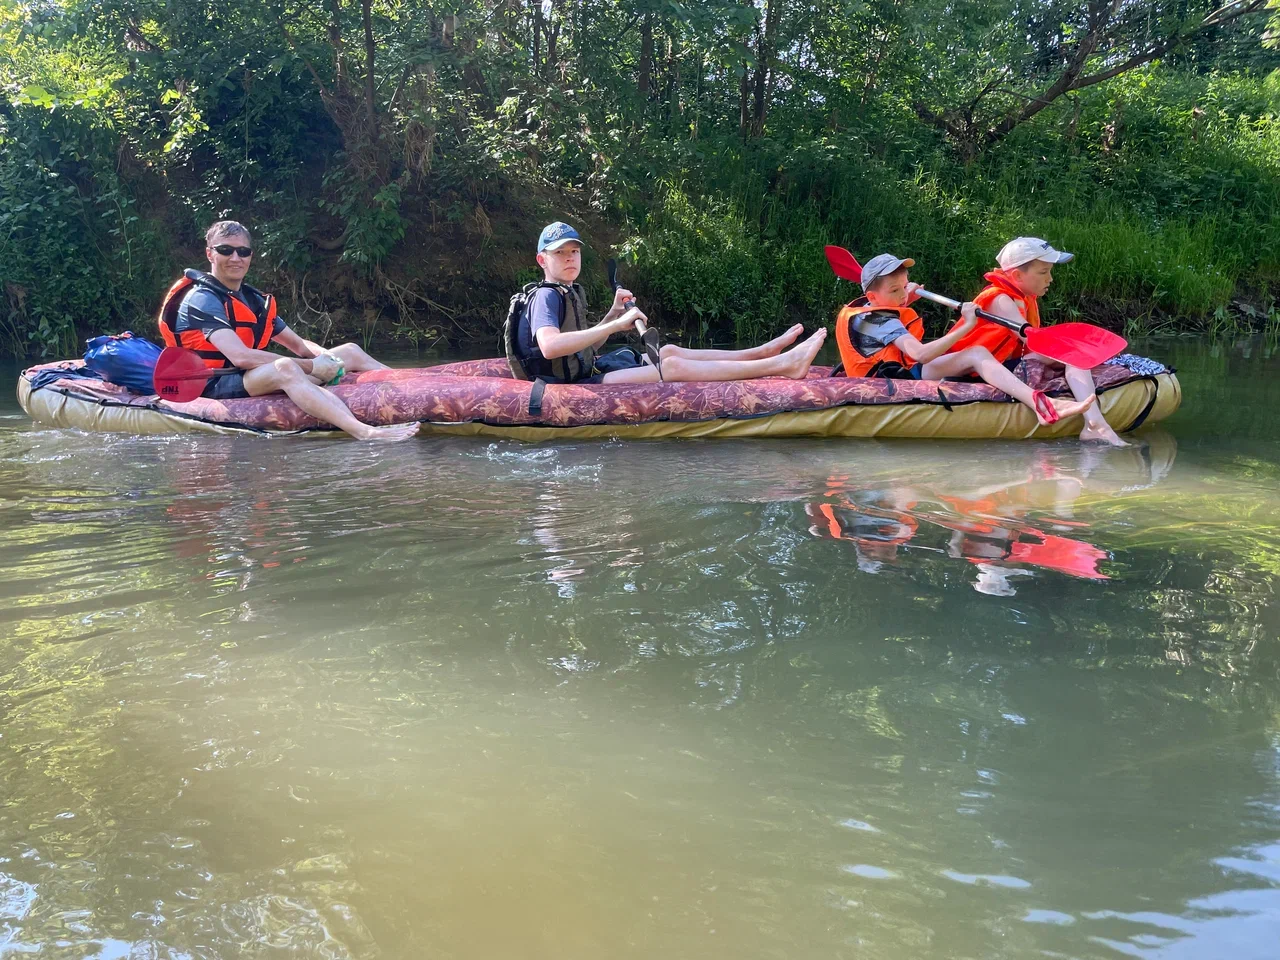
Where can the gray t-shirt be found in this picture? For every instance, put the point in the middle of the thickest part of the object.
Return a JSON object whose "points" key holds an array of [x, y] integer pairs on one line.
{"points": [[873, 331]]}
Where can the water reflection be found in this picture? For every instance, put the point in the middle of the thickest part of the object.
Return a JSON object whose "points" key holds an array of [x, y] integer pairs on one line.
{"points": [[480, 699], [1005, 529]]}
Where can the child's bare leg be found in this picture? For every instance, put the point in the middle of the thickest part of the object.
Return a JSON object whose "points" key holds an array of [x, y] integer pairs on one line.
{"points": [[978, 360], [769, 349], [794, 363], [1096, 426]]}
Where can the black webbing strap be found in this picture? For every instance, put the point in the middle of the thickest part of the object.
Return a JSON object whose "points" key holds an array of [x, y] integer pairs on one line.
{"points": [[535, 397], [1146, 411], [942, 398]]}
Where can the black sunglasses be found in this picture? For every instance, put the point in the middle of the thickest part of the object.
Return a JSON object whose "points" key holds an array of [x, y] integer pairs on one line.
{"points": [[226, 250]]}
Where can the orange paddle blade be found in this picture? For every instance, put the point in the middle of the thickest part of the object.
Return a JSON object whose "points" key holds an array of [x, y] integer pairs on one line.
{"points": [[1077, 344], [180, 375]]}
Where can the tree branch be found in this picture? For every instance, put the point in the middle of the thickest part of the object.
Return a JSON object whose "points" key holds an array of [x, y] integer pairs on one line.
{"points": [[1070, 79]]}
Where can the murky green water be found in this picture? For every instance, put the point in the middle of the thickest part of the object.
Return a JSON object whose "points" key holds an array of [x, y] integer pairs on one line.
{"points": [[464, 699]]}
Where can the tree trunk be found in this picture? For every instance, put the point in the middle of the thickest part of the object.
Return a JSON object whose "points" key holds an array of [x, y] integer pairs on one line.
{"points": [[370, 83], [552, 26], [766, 42], [646, 57]]}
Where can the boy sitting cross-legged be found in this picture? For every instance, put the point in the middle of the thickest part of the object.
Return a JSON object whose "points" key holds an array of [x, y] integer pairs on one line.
{"points": [[880, 336], [553, 341]]}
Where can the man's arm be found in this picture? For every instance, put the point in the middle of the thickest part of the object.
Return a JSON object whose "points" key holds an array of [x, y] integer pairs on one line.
{"points": [[297, 345], [247, 358]]}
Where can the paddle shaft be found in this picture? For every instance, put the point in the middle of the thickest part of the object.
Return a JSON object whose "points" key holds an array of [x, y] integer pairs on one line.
{"points": [[204, 376], [629, 303], [1017, 326]]}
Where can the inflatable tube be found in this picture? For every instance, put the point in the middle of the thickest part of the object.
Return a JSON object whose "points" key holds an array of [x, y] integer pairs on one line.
{"points": [[478, 398]]}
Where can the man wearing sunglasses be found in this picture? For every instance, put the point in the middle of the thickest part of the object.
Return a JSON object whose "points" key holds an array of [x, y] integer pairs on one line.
{"points": [[230, 324]]}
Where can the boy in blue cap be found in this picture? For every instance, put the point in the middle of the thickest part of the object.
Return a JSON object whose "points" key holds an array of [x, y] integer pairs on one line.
{"points": [[553, 341]]}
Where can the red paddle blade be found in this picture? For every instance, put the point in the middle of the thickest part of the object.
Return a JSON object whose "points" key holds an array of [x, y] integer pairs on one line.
{"points": [[180, 375], [843, 263], [1077, 344]]}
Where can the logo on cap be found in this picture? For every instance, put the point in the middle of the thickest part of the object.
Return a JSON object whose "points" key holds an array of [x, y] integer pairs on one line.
{"points": [[556, 235]]}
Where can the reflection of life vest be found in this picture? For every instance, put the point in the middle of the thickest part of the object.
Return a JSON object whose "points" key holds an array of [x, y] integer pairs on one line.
{"points": [[855, 364], [875, 531], [254, 329], [1003, 344]]}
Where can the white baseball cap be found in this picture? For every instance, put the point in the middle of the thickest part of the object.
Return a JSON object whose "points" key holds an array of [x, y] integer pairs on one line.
{"points": [[1023, 250]]}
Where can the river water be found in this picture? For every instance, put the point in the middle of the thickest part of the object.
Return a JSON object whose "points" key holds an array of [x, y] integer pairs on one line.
{"points": [[466, 699]]}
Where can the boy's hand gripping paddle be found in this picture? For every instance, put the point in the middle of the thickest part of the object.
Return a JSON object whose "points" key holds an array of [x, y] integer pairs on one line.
{"points": [[181, 376], [648, 335], [1075, 344]]}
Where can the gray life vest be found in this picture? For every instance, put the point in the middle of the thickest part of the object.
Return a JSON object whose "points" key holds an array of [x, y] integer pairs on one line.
{"points": [[573, 316]]}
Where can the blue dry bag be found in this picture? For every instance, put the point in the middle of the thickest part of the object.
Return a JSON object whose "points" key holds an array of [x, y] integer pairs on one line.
{"points": [[124, 360]]}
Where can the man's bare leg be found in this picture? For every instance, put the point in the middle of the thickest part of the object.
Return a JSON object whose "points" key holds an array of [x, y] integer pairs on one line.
{"points": [[770, 349], [794, 363], [285, 375], [978, 360]]}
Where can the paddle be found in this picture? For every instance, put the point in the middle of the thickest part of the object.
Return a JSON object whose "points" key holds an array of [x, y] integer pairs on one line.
{"points": [[1076, 344], [180, 375], [648, 335]]}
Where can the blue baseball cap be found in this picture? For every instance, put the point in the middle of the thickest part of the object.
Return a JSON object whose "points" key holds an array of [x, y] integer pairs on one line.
{"points": [[556, 235]]}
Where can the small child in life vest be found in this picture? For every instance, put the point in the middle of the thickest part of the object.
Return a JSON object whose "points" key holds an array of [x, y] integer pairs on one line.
{"points": [[550, 340], [880, 336], [1013, 291]]}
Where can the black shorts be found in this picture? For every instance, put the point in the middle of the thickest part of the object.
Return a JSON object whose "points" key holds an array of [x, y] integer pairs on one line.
{"points": [[892, 370], [1011, 365], [229, 386], [621, 359]]}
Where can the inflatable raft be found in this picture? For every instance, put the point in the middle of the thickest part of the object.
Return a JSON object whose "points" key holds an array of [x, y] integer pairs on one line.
{"points": [[479, 398]]}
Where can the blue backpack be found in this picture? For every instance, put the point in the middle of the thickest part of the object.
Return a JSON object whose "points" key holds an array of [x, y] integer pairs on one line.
{"points": [[124, 360]]}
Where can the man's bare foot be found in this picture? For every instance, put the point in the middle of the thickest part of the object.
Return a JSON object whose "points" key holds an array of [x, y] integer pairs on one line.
{"points": [[1101, 435], [798, 359], [778, 344], [1067, 408], [392, 434]]}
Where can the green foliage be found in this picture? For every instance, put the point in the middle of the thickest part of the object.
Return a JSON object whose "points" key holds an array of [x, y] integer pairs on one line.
{"points": [[374, 224], [722, 144], [74, 253]]}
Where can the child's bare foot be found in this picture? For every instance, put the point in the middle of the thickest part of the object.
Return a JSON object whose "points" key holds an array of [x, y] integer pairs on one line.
{"points": [[800, 358], [391, 434], [1068, 408], [1102, 435], [778, 344]]}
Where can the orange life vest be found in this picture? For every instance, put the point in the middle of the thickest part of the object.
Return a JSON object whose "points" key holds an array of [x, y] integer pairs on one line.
{"points": [[254, 329], [1003, 343], [855, 364]]}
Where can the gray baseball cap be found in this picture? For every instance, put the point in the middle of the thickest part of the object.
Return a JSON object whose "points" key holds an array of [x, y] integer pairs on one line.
{"points": [[1023, 250], [882, 265]]}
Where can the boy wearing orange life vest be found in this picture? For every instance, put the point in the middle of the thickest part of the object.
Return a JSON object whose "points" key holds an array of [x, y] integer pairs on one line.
{"points": [[229, 324], [1013, 291], [880, 336]]}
